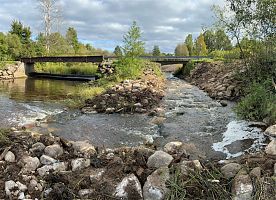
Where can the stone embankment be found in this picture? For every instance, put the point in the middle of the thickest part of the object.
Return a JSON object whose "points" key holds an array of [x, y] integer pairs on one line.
{"points": [[11, 71], [130, 96], [48, 167], [217, 79]]}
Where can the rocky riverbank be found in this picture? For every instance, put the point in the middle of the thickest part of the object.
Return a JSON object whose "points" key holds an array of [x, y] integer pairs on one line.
{"points": [[217, 79], [130, 96], [11, 71], [48, 167]]}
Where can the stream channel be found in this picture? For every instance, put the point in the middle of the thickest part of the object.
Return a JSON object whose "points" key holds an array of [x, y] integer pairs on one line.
{"points": [[191, 117]]}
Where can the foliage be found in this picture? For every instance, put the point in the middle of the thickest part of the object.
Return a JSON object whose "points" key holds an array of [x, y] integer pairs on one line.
{"points": [[118, 51], [200, 48], [208, 184], [181, 50], [156, 51], [189, 43], [3, 137], [72, 39], [217, 40], [4, 63], [129, 68], [24, 33], [133, 46], [67, 68], [225, 54], [185, 71], [259, 103]]}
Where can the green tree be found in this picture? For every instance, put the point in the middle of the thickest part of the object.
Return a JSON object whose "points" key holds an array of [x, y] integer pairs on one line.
{"points": [[24, 33], [210, 40], [222, 41], [200, 46], [181, 50], [133, 45], [189, 43], [14, 46], [3, 47], [72, 39], [118, 51], [156, 51]]}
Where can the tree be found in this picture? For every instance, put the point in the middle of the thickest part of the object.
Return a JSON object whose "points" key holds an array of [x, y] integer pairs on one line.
{"points": [[217, 40], [156, 51], [14, 46], [200, 46], [189, 43], [210, 40], [51, 13], [118, 51], [72, 39], [181, 50], [133, 46], [24, 33]]}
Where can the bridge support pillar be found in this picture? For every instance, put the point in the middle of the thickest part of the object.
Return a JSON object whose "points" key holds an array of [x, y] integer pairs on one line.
{"points": [[29, 68]]}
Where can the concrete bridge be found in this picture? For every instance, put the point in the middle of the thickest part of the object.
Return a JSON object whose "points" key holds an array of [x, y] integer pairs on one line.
{"points": [[163, 60]]}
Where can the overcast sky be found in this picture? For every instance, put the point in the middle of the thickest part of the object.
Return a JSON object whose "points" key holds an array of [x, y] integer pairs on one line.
{"points": [[103, 22]]}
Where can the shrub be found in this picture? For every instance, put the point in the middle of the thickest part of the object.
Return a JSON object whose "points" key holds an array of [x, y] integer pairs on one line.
{"points": [[225, 55], [259, 103]]}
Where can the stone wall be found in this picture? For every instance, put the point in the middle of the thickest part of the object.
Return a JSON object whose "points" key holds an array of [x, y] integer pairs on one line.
{"points": [[11, 71]]}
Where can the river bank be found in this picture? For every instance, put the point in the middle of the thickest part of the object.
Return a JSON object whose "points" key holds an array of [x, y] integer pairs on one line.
{"points": [[49, 167]]}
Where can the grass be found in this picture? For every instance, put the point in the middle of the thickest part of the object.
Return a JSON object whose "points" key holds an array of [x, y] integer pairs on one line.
{"points": [[208, 184], [4, 63], [67, 68], [3, 137]]}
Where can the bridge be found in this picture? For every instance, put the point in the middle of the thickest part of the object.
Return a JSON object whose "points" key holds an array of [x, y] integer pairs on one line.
{"points": [[163, 60]]}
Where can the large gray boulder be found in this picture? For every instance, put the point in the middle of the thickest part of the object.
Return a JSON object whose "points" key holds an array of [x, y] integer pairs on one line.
{"points": [[271, 148], [129, 188], [242, 187], [155, 186], [271, 131], [230, 170], [53, 151], [80, 163], [30, 163], [159, 159]]}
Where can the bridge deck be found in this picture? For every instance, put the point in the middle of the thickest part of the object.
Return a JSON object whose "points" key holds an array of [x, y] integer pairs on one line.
{"points": [[95, 59]]}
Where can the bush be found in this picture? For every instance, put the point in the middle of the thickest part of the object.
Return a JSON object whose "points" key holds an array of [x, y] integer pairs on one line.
{"points": [[186, 70], [4, 63], [225, 55], [259, 103]]}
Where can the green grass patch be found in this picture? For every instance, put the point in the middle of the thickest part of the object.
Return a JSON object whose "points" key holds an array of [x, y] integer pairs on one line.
{"points": [[259, 103], [4, 63], [208, 184], [4, 137], [67, 68], [185, 71]]}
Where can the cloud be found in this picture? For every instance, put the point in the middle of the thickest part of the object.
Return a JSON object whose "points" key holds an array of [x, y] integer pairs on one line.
{"points": [[103, 22]]}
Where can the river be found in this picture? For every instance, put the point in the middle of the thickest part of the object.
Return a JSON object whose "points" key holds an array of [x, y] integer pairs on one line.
{"points": [[191, 116]]}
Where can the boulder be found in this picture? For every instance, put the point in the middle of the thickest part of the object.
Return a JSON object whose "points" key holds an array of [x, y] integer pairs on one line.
{"points": [[53, 151], [155, 186], [271, 148], [9, 186], [230, 170], [21, 186], [271, 131], [80, 163], [83, 148], [37, 148], [42, 171], [242, 187], [84, 193], [30, 163], [159, 159], [10, 157], [188, 166], [47, 160], [173, 147], [255, 172], [129, 188]]}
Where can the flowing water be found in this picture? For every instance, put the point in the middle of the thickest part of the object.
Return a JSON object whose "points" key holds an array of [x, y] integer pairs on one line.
{"points": [[191, 116]]}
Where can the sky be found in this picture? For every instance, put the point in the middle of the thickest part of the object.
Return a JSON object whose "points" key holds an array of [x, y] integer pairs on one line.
{"points": [[103, 23]]}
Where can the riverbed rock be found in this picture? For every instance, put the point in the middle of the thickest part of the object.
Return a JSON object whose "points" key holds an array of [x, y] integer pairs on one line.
{"points": [[242, 187], [30, 163], [173, 147], [84, 193], [9, 186], [271, 148], [47, 160], [21, 186], [159, 159], [53, 151], [80, 163], [255, 172], [83, 148], [37, 148], [96, 175], [187, 166], [42, 171], [230, 170], [10, 157], [155, 186], [271, 131], [129, 188]]}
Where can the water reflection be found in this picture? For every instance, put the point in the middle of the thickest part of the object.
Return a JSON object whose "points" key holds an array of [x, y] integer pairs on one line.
{"points": [[32, 89]]}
